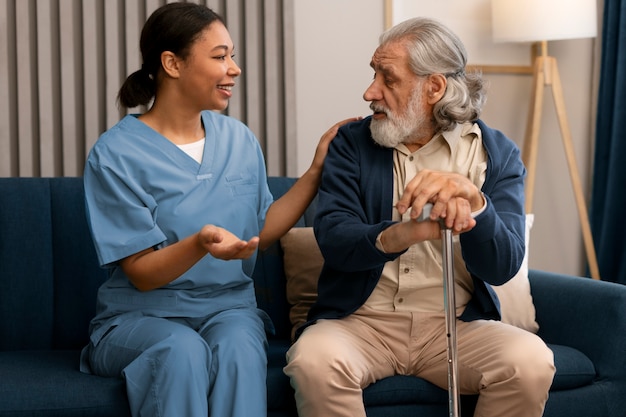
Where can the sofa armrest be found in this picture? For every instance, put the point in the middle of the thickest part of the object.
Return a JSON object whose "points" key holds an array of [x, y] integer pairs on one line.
{"points": [[585, 314]]}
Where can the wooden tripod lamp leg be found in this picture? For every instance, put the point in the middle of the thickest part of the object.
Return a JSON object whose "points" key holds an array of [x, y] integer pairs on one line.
{"points": [[559, 102], [531, 141]]}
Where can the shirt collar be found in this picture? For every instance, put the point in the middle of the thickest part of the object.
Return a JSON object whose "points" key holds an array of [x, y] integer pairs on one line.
{"points": [[460, 130], [451, 137]]}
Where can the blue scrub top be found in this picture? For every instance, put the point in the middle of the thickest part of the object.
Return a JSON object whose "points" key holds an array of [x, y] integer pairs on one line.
{"points": [[142, 191]]}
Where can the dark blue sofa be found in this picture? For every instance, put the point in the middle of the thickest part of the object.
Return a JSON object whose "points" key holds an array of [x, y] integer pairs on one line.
{"points": [[49, 277]]}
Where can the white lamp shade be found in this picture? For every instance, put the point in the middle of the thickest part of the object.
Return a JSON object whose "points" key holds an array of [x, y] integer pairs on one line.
{"points": [[543, 20]]}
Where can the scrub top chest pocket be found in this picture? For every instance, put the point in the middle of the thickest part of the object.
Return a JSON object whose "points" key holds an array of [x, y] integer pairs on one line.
{"points": [[242, 183]]}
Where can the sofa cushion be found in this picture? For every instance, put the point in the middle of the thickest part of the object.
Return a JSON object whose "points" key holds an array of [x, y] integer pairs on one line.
{"points": [[573, 368], [280, 394], [401, 389], [50, 383]]}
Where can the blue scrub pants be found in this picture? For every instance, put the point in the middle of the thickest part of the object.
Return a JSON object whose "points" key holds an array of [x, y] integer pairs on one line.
{"points": [[215, 366]]}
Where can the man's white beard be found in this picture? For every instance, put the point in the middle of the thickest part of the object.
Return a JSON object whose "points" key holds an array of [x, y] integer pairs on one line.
{"points": [[396, 129]]}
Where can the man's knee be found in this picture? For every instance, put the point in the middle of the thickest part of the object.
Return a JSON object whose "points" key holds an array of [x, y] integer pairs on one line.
{"points": [[315, 357], [539, 367], [531, 366]]}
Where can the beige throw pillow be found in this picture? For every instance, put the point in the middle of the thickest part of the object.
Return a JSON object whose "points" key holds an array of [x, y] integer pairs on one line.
{"points": [[303, 263], [516, 301]]}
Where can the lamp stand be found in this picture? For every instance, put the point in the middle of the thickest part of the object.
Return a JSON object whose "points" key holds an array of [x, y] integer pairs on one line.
{"points": [[545, 73]]}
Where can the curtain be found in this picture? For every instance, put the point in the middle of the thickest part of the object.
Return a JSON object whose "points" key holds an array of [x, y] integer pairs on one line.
{"points": [[608, 198]]}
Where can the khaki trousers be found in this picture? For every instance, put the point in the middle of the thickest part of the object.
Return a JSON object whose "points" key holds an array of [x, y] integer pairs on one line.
{"points": [[333, 360]]}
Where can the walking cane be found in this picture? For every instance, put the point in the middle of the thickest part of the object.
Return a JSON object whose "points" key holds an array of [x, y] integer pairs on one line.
{"points": [[450, 312], [449, 299]]}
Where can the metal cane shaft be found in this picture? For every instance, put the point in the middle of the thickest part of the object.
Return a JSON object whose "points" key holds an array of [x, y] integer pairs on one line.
{"points": [[450, 314]]}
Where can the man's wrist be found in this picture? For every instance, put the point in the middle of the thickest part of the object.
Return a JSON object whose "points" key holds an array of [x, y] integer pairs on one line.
{"points": [[483, 206], [379, 242]]}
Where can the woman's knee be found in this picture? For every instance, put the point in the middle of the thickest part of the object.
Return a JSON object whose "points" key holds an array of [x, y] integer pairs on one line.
{"points": [[184, 350], [240, 340], [178, 360], [146, 339]]}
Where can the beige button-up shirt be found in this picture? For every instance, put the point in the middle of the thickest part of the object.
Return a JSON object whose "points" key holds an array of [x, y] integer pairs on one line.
{"points": [[414, 281]]}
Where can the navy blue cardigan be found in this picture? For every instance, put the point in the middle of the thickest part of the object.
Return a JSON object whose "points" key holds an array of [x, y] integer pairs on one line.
{"points": [[355, 205]]}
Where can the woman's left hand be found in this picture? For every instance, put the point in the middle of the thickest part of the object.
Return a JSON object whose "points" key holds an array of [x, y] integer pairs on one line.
{"points": [[222, 244]]}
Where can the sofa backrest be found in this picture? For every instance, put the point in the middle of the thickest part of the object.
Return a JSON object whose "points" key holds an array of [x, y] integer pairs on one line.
{"points": [[49, 272], [269, 274]]}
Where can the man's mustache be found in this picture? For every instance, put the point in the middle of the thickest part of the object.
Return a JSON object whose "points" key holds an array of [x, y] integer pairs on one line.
{"points": [[378, 108]]}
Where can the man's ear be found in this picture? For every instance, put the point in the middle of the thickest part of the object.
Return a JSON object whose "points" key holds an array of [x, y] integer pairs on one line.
{"points": [[436, 87], [170, 64]]}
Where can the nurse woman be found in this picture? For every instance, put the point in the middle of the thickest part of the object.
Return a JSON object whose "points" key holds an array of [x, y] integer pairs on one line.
{"points": [[178, 205]]}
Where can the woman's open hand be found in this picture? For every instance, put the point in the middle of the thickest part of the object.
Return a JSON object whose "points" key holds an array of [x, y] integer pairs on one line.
{"points": [[222, 244]]}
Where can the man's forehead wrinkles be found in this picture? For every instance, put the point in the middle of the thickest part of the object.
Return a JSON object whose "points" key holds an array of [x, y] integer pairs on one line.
{"points": [[382, 63]]}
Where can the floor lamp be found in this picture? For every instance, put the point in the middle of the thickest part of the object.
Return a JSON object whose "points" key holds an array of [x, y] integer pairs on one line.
{"points": [[539, 21]]}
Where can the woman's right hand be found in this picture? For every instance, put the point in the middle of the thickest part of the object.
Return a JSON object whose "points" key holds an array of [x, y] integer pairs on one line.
{"points": [[322, 147], [222, 244]]}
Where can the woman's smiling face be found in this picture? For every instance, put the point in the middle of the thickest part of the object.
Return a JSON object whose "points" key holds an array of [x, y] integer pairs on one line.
{"points": [[208, 73]]}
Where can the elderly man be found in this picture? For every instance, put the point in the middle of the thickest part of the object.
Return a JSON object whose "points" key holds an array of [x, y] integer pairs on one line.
{"points": [[380, 307]]}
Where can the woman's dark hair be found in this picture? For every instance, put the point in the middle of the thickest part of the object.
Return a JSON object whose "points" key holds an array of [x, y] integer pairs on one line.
{"points": [[173, 27]]}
